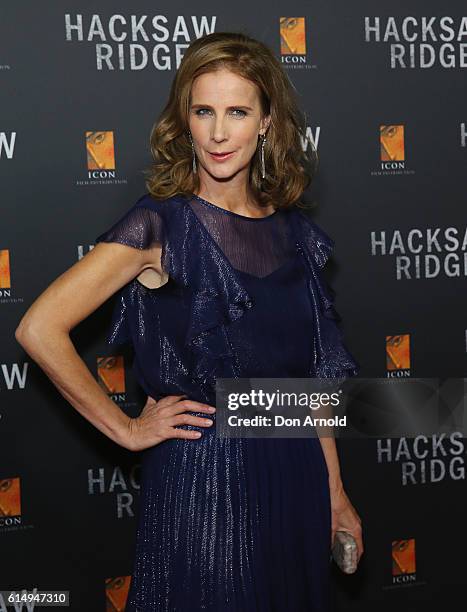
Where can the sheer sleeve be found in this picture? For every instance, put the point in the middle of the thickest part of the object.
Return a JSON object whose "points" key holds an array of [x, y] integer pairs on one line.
{"points": [[139, 227]]}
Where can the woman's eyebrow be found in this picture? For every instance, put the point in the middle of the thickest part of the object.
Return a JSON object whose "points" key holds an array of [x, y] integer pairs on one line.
{"points": [[228, 108]]}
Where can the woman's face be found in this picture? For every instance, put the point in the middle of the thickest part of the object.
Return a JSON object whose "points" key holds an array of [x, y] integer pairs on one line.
{"points": [[225, 117]]}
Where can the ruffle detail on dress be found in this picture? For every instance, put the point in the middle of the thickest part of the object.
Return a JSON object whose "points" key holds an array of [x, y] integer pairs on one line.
{"points": [[317, 247], [319, 244], [331, 357], [208, 339], [218, 297], [193, 260]]}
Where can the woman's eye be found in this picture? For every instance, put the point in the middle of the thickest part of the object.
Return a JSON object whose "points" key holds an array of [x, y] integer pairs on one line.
{"points": [[200, 112]]}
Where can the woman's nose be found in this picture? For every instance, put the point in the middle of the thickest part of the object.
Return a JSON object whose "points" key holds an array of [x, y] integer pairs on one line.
{"points": [[219, 131]]}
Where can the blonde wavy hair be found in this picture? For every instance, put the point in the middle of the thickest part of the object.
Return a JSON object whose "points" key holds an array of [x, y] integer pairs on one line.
{"points": [[289, 169]]}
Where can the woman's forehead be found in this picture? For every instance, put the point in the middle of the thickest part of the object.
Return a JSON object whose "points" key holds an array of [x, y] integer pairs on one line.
{"points": [[224, 86]]}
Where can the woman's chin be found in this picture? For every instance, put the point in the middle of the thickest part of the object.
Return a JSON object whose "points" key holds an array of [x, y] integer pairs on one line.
{"points": [[222, 173]]}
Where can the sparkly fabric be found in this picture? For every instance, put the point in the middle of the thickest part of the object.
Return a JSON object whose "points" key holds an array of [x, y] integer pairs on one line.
{"points": [[229, 525]]}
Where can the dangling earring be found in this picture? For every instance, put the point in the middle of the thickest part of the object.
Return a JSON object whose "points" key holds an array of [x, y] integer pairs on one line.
{"points": [[193, 151], [263, 169]]}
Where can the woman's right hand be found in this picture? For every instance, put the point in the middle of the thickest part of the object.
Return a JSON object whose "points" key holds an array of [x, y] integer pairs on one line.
{"points": [[158, 420]]}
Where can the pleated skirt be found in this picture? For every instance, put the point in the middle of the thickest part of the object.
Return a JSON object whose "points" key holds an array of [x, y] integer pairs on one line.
{"points": [[233, 525]]}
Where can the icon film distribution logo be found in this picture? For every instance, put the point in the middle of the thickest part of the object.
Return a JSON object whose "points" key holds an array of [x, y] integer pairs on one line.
{"points": [[111, 376], [403, 564], [403, 561], [11, 518], [293, 40], [392, 151], [100, 159], [111, 372], [398, 356], [5, 279]]}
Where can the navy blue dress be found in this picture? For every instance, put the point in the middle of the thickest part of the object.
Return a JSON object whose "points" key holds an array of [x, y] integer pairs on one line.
{"points": [[229, 524]]}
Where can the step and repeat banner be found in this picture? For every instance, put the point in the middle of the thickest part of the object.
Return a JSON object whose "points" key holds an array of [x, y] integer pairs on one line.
{"points": [[383, 88]]}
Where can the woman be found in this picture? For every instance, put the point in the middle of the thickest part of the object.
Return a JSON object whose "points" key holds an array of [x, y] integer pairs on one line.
{"points": [[218, 273]]}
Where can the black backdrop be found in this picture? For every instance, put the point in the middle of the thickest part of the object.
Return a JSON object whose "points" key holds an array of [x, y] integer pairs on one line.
{"points": [[68, 496]]}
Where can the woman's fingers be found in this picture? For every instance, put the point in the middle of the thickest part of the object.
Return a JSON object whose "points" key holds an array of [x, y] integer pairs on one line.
{"points": [[345, 518], [185, 434], [179, 416], [160, 420], [188, 419], [359, 539], [356, 532], [192, 405], [175, 404]]}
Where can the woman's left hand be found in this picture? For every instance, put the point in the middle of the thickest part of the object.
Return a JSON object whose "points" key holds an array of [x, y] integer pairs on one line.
{"points": [[345, 517]]}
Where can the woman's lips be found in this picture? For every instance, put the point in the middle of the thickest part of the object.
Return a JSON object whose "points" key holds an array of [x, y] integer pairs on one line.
{"points": [[222, 156]]}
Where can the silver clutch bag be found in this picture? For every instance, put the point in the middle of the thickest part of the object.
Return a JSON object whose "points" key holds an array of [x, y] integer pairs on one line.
{"points": [[344, 551]]}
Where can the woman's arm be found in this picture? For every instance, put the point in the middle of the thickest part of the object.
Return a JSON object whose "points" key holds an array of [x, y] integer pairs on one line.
{"points": [[44, 330], [328, 444], [344, 515]]}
